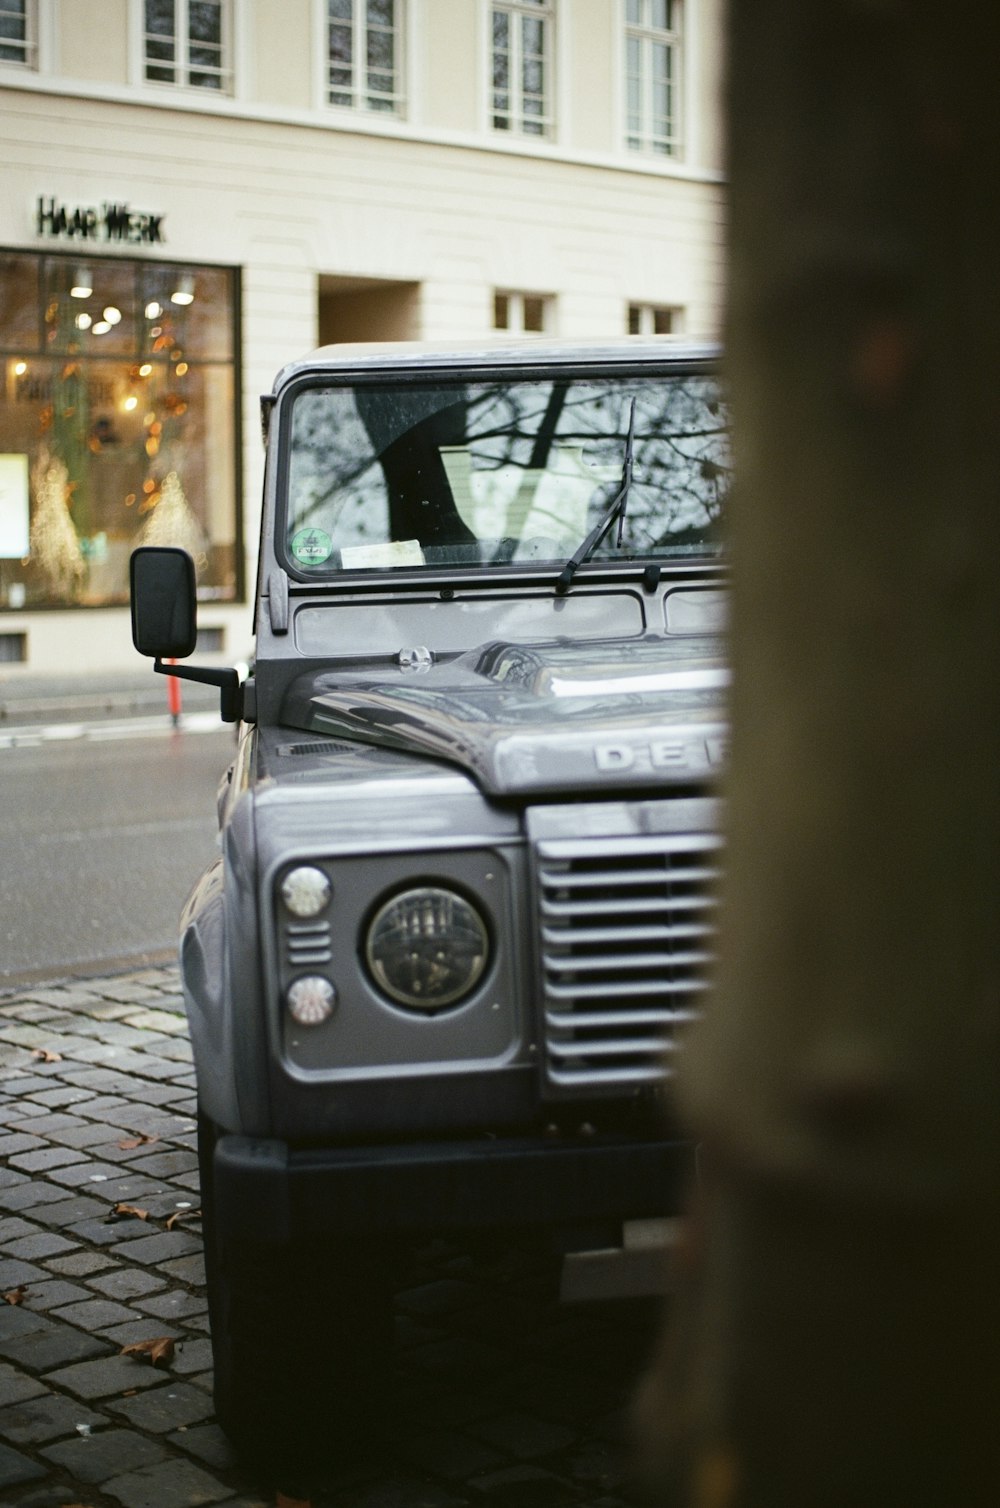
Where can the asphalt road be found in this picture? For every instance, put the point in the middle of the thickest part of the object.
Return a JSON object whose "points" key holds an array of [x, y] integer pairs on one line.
{"points": [[103, 831]]}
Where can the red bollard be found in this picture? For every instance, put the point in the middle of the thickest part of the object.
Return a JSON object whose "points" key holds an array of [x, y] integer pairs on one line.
{"points": [[173, 696]]}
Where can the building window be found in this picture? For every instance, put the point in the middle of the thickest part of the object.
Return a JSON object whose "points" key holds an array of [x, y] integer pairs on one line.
{"points": [[119, 425], [522, 313], [652, 76], [187, 43], [654, 319], [522, 67], [364, 66], [19, 32]]}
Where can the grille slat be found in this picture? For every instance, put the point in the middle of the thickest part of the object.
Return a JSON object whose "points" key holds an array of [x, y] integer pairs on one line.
{"points": [[626, 931], [308, 943]]}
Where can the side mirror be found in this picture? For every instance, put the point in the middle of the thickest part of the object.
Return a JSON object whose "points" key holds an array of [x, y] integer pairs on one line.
{"points": [[164, 622], [164, 602]]}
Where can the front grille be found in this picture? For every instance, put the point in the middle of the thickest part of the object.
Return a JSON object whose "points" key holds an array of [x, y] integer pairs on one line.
{"points": [[626, 927], [307, 943]]}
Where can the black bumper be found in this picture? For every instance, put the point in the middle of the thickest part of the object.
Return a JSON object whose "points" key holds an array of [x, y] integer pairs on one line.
{"points": [[265, 1190]]}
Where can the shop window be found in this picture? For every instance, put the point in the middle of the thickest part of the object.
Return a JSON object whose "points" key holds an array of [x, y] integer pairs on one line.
{"points": [[364, 47], [118, 426], [187, 43], [19, 32], [654, 319], [522, 67], [653, 75], [522, 313]]}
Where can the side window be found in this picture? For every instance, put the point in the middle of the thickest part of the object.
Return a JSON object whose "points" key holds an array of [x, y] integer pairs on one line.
{"points": [[19, 33], [364, 54], [189, 43], [653, 76], [522, 67]]}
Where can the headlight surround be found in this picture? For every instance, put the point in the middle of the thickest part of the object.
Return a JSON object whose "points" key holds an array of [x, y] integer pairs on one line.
{"points": [[427, 948]]}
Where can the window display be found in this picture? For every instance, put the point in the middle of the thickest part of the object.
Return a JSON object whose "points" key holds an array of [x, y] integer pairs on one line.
{"points": [[117, 425]]}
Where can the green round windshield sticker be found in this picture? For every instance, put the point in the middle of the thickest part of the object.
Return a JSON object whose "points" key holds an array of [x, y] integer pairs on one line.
{"points": [[312, 546]]}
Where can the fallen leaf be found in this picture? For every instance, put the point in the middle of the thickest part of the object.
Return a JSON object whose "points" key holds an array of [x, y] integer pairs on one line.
{"points": [[158, 1352], [130, 1209], [15, 1295], [182, 1215], [142, 1140], [47, 1055]]}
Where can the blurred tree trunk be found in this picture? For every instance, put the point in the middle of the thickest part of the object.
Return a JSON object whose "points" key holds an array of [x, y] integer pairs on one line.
{"points": [[836, 1342]]}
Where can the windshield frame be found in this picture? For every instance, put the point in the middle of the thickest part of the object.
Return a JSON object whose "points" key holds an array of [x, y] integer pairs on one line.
{"points": [[485, 367]]}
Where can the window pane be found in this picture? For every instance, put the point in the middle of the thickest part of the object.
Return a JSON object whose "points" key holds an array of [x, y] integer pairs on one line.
{"points": [[381, 13], [160, 17], [205, 21], [19, 303], [501, 311], [661, 14], [534, 314], [634, 319], [339, 10], [633, 12]]}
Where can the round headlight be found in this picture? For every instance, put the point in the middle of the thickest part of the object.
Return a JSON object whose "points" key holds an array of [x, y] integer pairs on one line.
{"points": [[305, 891], [311, 1000], [427, 948]]}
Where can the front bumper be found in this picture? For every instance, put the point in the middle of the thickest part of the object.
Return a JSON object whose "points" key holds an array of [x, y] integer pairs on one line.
{"points": [[265, 1190]]}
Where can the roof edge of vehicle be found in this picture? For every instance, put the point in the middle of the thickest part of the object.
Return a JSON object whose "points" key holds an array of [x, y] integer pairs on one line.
{"points": [[427, 355]]}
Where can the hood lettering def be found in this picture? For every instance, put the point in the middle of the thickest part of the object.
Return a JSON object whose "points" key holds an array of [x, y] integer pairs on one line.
{"points": [[661, 754]]}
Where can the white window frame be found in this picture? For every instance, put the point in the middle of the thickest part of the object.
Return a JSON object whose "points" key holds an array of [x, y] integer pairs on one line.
{"points": [[517, 301], [640, 40], [361, 95], [519, 123], [30, 61], [181, 66], [647, 316]]}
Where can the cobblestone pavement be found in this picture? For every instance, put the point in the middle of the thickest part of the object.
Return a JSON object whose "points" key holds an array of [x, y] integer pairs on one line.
{"points": [[501, 1397]]}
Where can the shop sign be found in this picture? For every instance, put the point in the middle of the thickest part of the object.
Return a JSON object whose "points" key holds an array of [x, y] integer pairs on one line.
{"points": [[111, 222]]}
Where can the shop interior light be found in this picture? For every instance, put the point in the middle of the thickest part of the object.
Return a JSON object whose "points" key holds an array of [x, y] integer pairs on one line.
{"points": [[83, 321], [83, 283], [145, 369], [101, 327], [130, 403], [113, 315], [153, 310], [20, 367], [184, 292]]}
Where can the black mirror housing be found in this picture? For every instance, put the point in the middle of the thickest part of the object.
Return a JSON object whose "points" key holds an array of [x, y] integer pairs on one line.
{"points": [[164, 602]]}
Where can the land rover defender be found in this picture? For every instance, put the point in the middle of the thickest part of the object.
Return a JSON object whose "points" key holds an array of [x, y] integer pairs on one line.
{"points": [[463, 905]]}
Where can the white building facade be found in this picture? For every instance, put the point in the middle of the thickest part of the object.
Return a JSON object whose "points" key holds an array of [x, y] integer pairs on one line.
{"points": [[195, 192]]}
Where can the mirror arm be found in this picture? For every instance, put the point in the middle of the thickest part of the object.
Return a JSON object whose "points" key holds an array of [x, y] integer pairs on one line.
{"points": [[228, 682]]}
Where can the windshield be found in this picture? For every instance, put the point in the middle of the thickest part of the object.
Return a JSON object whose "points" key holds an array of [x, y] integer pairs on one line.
{"points": [[407, 474]]}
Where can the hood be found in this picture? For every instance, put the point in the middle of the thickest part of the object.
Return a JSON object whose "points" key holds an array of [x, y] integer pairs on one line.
{"points": [[527, 719]]}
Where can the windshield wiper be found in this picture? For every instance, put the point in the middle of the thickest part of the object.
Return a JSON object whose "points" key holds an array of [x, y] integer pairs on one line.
{"points": [[615, 509]]}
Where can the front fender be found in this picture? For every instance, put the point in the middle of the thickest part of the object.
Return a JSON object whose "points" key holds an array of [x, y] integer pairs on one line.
{"points": [[221, 979]]}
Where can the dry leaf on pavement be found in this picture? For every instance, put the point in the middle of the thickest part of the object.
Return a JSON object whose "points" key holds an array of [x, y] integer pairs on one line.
{"points": [[131, 1142], [158, 1352], [182, 1215], [131, 1209], [47, 1055], [15, 1295]]}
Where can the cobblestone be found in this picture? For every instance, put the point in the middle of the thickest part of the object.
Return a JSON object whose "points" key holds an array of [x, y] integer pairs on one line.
{"points": [[500, 1399]]}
